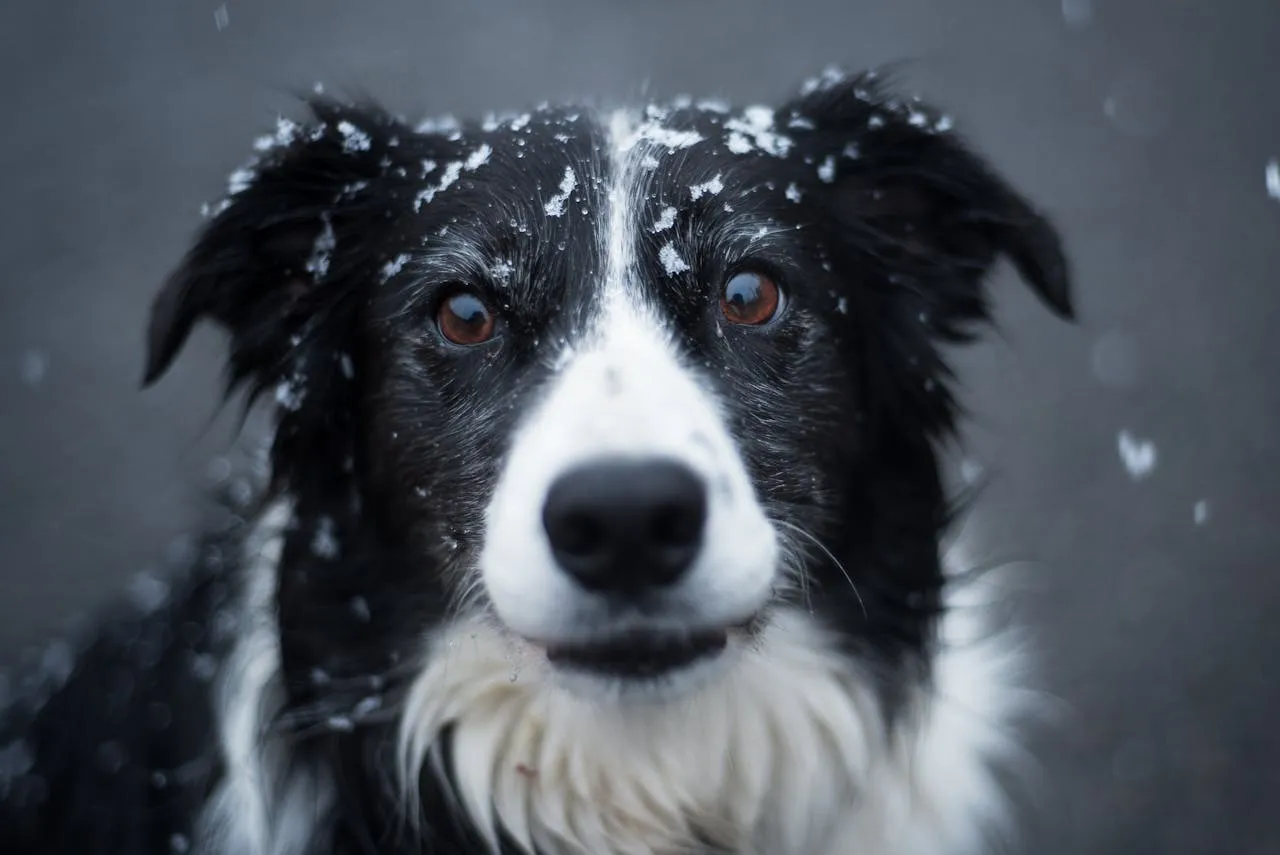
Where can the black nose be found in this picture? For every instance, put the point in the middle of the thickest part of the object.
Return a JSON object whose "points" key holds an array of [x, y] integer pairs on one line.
{"points": [[622, 526]]}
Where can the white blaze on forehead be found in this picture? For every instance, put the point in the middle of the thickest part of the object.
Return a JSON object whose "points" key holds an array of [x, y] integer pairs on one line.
{"points": [[622, 390]]}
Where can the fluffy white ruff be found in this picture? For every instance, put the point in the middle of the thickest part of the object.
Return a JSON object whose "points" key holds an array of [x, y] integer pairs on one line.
{"points": [[788, 753]]}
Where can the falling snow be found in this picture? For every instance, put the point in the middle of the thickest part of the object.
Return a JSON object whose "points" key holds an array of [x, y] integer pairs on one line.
{"points": [[148, 593], [671, 260], [827, 170], [555, 205], [1138, 456], [367, 706], [793, 192], [221, 17], [709, 188], [665, 220], [1273, 178], [204, 666], [970, 471], [1077, 13], [16, 759], [324, 543], [35, 364], [360, 608], [1200, 512], [341, 723]]}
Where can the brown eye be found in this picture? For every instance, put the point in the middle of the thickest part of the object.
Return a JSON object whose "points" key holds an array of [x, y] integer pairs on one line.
{"points": [[464, 319], [750, 298]]}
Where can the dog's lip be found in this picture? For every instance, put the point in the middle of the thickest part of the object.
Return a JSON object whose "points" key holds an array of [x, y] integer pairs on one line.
{"points": [[639, 653]]}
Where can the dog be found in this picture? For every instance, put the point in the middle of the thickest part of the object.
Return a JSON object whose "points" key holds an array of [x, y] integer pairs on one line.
{"points": [[605, 511]]}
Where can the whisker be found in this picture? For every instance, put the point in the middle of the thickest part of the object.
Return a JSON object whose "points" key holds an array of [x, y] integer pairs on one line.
{"points": [[827, 552]]}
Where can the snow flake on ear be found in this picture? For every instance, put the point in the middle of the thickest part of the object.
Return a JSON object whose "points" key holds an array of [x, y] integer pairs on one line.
{"points": [[317, 263], [446, 125], [713, 105], [831, 77], [754, 130], [556, 204], [665, 220], [707, 188], [289, 394], [671, 261], [353, 139], [393, 267], [286, 132], [241, 180]]}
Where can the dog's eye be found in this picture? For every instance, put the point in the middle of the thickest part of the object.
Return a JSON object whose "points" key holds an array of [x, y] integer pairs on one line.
{"points": [[463, 318], [750, 298]]}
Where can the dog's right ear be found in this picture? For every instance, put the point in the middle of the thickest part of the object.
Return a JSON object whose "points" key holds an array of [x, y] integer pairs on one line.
{"points": [[272, 262]]}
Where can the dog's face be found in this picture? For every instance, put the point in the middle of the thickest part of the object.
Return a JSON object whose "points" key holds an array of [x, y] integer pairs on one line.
{"points": [[625, 384]]}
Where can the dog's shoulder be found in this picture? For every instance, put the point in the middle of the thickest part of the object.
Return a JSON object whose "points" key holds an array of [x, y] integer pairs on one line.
{"points": [[107, 741]]}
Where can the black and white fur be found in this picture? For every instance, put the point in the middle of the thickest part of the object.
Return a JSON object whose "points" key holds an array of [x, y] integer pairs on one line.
{"points": [[357, 662]]}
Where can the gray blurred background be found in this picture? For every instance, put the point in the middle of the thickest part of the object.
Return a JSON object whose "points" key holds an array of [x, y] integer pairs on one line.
{"points": [[1144, 126]]}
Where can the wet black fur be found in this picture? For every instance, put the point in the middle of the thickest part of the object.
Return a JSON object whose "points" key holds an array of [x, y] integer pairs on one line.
{"points": [[393, 438]]}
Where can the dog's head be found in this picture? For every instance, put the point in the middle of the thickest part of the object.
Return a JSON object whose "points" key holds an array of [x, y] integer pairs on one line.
{"points": [[623, 384]]}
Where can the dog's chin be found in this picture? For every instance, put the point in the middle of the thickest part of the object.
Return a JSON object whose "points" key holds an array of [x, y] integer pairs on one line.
{"points": [[642, 665]]}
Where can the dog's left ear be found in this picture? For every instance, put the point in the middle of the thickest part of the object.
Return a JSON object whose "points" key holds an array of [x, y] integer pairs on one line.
{"points": [[931, 208], [275, 263]]}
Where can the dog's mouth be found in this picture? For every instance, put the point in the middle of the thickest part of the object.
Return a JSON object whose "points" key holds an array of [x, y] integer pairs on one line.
{"points": [[639, 655]]}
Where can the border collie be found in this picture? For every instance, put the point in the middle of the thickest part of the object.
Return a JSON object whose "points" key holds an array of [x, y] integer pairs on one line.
{"points": [[605, 512]]}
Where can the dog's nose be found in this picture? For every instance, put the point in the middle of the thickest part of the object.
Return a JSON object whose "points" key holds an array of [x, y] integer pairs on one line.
{"points": [[623, 526]]}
